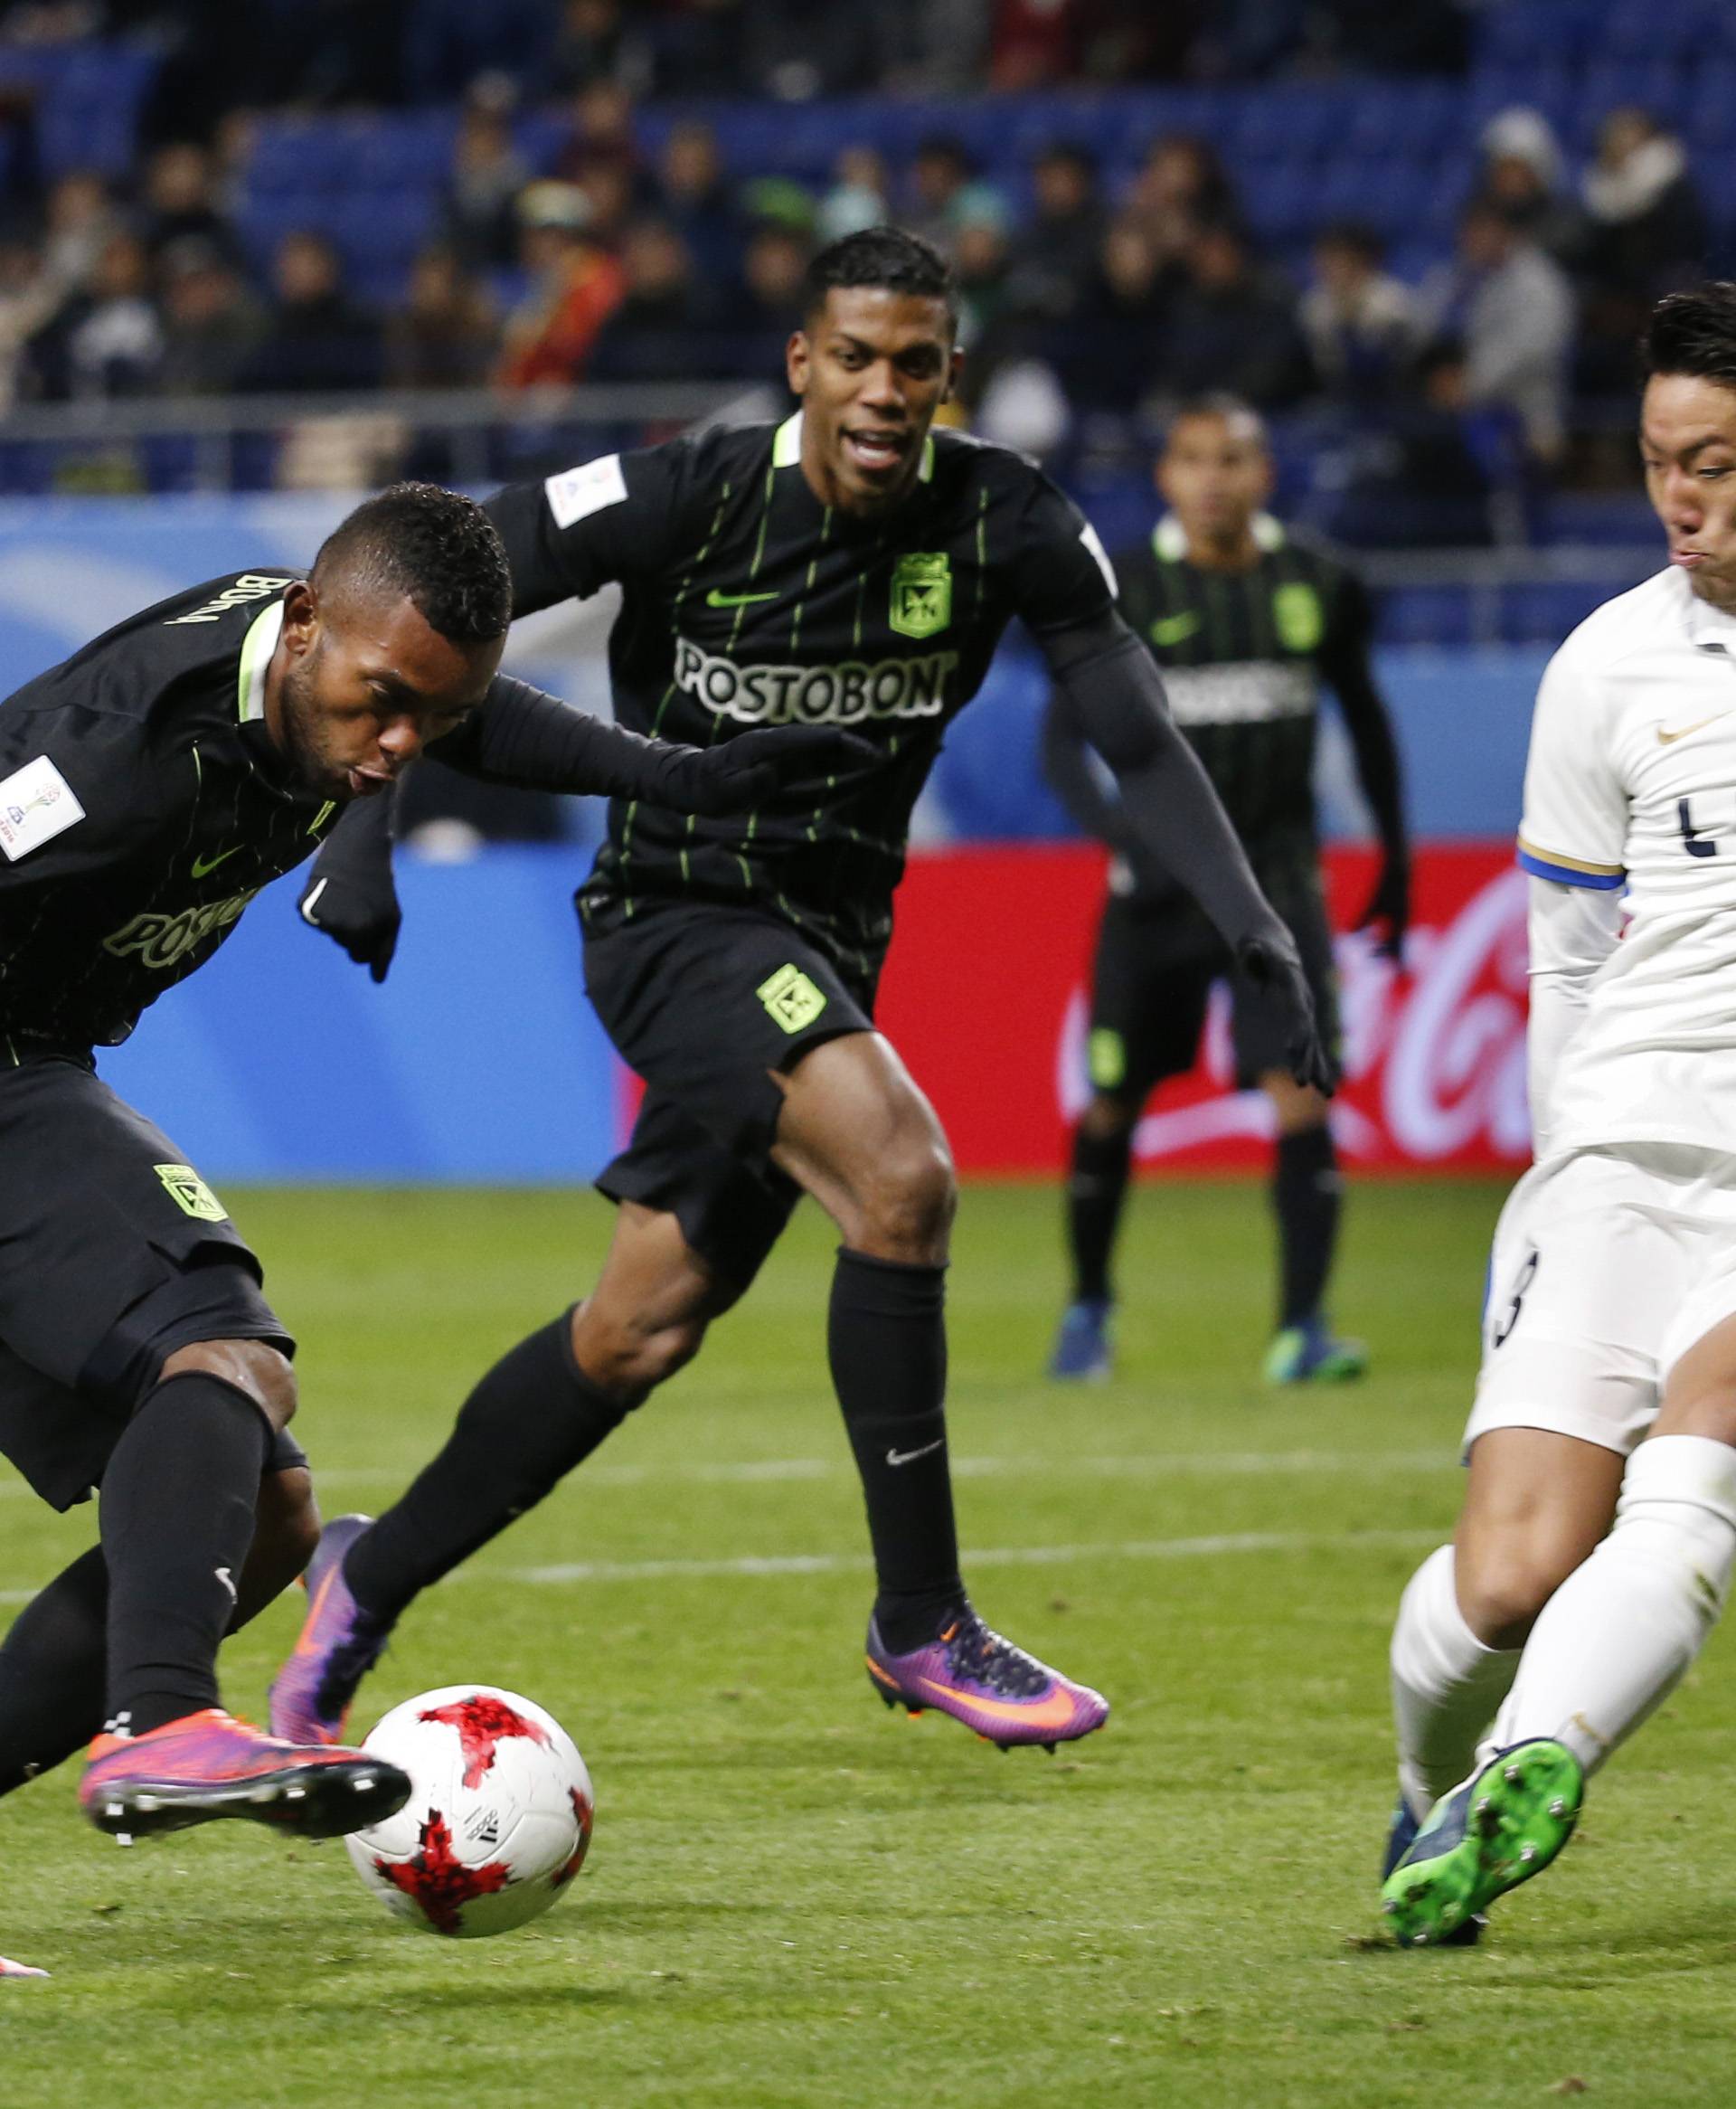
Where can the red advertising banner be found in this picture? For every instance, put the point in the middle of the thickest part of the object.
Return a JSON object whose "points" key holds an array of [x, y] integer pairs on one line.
{"points": [[985, 996]]}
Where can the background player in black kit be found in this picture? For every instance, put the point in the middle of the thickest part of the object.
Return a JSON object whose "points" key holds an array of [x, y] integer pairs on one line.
{"points": [[149, 787], [1246, 622], [848, 567]]}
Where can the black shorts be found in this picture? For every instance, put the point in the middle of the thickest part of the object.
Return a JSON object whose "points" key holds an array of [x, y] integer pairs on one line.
{"points": [[113, 1254], [705, 1003], [1156, 964]]}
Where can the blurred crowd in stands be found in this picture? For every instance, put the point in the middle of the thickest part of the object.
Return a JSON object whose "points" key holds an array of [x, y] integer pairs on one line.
{"points": [[264, 53], [603, 261]]}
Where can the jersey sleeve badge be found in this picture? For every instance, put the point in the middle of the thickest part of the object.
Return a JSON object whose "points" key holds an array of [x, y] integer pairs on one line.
{"points": [[36, 804], [577, 493]]}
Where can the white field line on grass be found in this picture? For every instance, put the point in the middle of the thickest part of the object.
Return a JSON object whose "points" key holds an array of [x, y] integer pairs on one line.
{"points": [[1225, 1464], [1037, 1464], [1060, 1464], [755, 1565], [1152, 1549]]}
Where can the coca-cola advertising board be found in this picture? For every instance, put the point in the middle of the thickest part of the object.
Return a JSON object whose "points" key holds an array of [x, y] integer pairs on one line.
{"points": [[987, 989]]}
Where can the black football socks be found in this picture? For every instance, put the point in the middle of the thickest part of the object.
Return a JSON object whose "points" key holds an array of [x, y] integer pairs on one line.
{"points": [[528, 1423], [886, 1339], [178, 1501], [53, 1668], [1097, 1187], [1307, 1193]]}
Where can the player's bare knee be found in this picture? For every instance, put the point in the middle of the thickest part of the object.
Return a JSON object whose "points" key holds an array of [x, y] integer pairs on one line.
{"points": [[1502, 1588], [254, 1367], [627, 1357], [1703, 1405], [907, 1210]]}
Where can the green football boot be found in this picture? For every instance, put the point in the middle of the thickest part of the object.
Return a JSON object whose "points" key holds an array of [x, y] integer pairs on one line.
{"points": [[1312, 1354], [1506, 1824]]}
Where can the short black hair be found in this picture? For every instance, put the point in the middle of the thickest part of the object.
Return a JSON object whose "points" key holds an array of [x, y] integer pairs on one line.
{"points": [[1220, 403], [435, 548], [1355, 235], [892, 257], [1692, 332]]}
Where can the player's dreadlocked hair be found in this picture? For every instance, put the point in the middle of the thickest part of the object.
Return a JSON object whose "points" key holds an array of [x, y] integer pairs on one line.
{"points": [[888, 257], [1692, 333], [433, 547]]}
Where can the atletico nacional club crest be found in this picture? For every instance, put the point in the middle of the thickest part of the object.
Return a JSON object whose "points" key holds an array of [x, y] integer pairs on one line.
{"points": [[921, 594]]}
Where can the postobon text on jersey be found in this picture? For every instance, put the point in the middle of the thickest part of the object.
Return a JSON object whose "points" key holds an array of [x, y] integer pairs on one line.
{"points": [[846, 693]]}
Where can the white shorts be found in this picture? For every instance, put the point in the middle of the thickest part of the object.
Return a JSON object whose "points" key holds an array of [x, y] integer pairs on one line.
{"points": [[1607, 1266]]}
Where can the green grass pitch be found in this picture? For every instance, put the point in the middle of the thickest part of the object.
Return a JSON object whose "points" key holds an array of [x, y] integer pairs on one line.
{"points": [[796, 1898]]}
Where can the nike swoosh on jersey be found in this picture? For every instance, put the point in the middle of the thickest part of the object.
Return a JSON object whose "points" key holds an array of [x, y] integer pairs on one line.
{"points": [[1699, 725], [716, 600], [1170, 629], [910, 1456], [202, 864]]}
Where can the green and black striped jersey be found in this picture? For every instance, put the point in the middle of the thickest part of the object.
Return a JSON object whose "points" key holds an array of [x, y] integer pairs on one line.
{"points": [[1244, 654], [143, 804], [747, 601]]}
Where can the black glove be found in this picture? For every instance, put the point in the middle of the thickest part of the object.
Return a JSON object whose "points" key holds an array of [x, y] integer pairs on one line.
{"points": [[1388, 905], [355, 903], [774, 765], [1273, 966]]}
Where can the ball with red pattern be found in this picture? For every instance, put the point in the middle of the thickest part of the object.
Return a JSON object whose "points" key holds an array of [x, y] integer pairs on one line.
{"points": [[499, 1819]]}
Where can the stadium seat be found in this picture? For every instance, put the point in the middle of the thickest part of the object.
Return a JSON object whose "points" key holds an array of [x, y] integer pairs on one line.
{"points": [[1424, 615]]}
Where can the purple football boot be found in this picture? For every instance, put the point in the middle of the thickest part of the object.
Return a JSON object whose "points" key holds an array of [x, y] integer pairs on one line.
{"points": [[338, 1644], [1006, 1696], [209, 1765]]}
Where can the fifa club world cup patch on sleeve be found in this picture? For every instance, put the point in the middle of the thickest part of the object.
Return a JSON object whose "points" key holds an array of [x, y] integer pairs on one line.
{"points": [[576, 493], [791, 1000], [36, 804]]}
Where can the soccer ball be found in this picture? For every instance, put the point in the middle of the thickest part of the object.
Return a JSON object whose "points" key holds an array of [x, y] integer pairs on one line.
{"points": [[498, 1820]]}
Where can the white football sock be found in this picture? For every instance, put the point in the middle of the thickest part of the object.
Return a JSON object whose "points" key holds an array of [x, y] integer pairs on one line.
{"points": [[1623, 1629], [1446, 1685]]}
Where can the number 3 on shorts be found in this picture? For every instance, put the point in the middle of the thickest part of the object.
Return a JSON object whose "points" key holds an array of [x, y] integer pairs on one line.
{"points": [[1501, 1331]]}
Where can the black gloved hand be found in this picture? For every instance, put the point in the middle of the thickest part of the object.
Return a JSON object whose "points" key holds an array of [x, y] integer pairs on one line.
{"points": [[1273, 966], [1389, 905], [356, 905], [774, 765]]}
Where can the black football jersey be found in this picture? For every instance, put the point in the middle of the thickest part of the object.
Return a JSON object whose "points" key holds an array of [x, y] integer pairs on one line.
{"points": [[142, 805], [1244, 654], [747, 601]]}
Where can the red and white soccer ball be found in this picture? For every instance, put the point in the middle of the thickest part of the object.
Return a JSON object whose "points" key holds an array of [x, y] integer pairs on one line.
{"points": [[499, 1819]]}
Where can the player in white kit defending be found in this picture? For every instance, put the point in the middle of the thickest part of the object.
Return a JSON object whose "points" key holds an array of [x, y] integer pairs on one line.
{"points": [[1598, 1531]]}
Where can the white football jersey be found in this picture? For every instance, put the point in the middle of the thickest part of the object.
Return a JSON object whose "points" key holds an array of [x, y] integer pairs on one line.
{"points": [[1631, 785]]}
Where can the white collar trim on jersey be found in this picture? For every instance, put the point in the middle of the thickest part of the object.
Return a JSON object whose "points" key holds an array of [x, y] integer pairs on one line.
{"points": [[1169, 537], [786, 448], [1709, 628], [257, 648]]}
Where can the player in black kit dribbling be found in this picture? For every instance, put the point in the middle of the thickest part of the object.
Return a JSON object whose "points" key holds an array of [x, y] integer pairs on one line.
{"points": [[849, 567], [149, 787]]}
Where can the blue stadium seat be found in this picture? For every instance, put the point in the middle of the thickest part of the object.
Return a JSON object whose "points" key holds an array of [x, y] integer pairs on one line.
{"points": [[1278, 197], [1610, 519], [1710, 119], [1657, 85], [1425, 615], [1545, 612]]}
